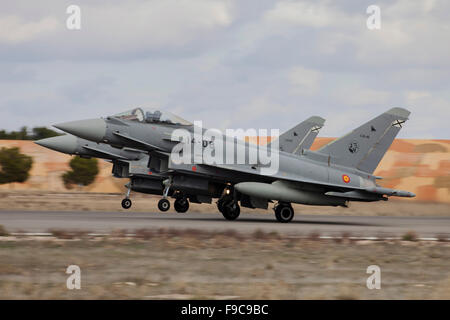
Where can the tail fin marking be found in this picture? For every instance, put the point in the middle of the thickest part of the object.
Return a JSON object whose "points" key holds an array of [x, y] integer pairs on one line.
{"points": [[364, 147]]}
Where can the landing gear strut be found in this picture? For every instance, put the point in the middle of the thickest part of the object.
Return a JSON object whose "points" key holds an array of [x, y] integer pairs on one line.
{"points": [[164, 204], [126, 203], [284, 212]]}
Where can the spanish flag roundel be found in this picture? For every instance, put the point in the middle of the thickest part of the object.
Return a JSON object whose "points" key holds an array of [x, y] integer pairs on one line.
{"points": [[345, 178]]}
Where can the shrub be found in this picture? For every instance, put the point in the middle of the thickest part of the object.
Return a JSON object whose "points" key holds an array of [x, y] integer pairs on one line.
{"points": [[69, 234], [83, 172], [23, 134], [14, 166], [43, 133], [410, 236]]}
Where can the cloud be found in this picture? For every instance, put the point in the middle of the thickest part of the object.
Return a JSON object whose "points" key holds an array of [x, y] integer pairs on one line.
{"points": [[411, 33], [114, 30], [429, 112], [414, 96], [155, 23], [15, 30], [231, 63], [304, 81], [355, 95], [16, 74], [89, 89], [317, 14]]}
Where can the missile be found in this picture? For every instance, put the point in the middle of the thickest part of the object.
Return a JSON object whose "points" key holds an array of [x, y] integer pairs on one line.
{"points": [[391, 192]]}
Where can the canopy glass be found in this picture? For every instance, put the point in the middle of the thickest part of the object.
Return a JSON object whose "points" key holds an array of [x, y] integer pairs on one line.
{"points": [[152, 116]]}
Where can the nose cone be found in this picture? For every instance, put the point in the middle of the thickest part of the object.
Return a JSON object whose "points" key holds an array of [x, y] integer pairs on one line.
{"points": [[65, 144], [92, 129]]}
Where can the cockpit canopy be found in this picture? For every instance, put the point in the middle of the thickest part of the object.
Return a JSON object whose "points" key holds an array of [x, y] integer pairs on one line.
{"points": [[152, 116]]}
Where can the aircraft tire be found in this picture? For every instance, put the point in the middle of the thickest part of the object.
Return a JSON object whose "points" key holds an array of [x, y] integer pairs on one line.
{"points": [[126, 203], [284, 213], [231, 210], [220, 206], [163, 205], [181, 205]]}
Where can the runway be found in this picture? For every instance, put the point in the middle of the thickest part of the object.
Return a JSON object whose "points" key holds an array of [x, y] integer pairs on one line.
{"points": [[367, 226]]}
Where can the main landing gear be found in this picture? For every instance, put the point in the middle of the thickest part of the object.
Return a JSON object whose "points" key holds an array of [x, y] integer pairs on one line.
{"points": [[228, 205], [181, 203], [284, 212], [229, 208]]}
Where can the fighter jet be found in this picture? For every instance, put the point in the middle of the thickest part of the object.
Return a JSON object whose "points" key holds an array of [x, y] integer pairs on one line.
{"points": [[334, 175], [146, 172]]}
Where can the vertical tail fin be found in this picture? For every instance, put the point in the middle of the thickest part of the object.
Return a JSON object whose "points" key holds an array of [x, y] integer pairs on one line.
{"points": [[301, 136], [364, 147]]}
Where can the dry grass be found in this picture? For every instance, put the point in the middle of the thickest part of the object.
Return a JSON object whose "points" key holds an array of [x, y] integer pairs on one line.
{"points": [[443, 237], [69, 234], [167, 263], [314, 235]]}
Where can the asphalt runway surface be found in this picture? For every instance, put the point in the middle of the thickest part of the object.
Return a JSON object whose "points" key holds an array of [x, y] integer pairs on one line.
{"points": [[365, 226]]}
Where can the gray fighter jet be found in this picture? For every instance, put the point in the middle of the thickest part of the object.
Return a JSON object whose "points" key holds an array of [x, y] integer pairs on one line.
{"points": [[147, 170], [337, 173]]}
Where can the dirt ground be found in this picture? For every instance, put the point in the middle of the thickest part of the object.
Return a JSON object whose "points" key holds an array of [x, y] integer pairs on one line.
{"points": [[49, 201], [181, 264], [193, 264]]}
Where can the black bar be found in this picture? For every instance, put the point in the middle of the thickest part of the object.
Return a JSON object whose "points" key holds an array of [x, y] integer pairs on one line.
{"points": [[230, 309]]}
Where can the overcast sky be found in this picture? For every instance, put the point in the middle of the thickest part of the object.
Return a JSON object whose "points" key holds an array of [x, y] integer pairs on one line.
{"points": [[232, 64]]}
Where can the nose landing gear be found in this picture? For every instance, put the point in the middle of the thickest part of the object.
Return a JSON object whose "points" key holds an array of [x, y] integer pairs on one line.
{"points": [[163, 205], [127, 203]]}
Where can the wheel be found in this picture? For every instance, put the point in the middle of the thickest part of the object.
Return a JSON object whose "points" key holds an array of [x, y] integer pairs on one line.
{"points": [[284, 213], [231, 210], [181, 205], [222, 201], [163, 205], [220, 205], [126, 203]]}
